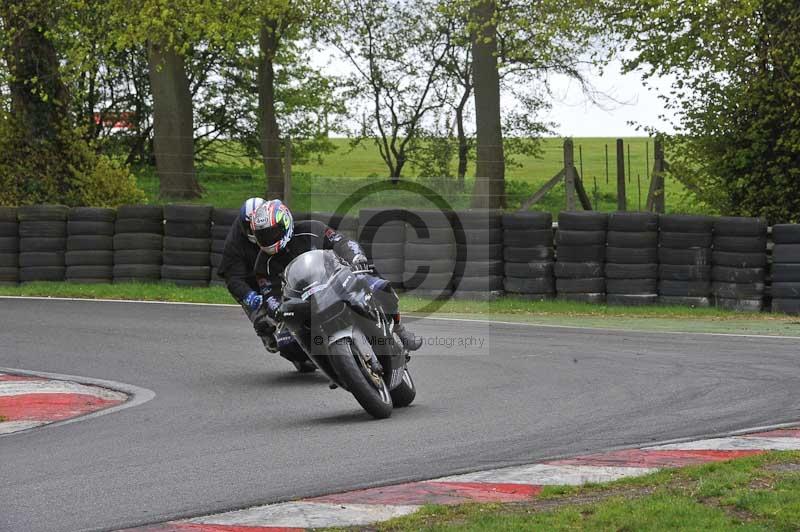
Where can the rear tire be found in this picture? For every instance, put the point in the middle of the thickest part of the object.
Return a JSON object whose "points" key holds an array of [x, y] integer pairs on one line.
{"points": [[343, 359], [405, 392]]}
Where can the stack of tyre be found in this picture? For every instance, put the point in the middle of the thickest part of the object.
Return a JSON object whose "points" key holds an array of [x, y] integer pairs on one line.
{"points": [[346, 225], [479, 259], [138, 240], [9, 246], [631, 268], [429, 255], [382, 236], [222, 220], [739, 261], [684, 253], [90, 245], [42, 242], [528, 255], [580, 256], [786, 268], [187, 245]]}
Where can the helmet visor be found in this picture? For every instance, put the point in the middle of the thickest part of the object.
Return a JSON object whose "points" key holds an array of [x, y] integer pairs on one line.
{"points": [[269, 236]]}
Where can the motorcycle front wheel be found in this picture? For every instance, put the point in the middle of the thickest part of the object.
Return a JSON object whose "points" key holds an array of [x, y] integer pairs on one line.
{"points": [[405, 392], [369, 389]]}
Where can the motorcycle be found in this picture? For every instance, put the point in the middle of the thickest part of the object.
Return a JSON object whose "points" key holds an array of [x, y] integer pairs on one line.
{"points": [[339, 318]]}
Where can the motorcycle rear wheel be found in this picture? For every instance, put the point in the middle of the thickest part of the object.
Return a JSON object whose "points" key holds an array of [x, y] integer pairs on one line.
{"points": [[349, 367]]}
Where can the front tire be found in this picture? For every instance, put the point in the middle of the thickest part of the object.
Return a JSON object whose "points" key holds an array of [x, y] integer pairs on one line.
{"points": [[347, 362], [405, 392]]}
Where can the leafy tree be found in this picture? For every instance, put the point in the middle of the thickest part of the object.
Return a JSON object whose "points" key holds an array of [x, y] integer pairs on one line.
{"points": [[736, 96]]}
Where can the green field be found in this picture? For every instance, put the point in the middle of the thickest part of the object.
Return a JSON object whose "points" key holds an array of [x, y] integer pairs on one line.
{"points": [[323, 184]]}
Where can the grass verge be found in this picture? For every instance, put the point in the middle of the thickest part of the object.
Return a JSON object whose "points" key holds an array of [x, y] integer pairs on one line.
{"points": [[755, 493], [653, 318]]}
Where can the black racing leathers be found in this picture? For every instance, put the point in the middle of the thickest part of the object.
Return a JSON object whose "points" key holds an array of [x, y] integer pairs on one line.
{"points": [[308, 235], [238, 263]]}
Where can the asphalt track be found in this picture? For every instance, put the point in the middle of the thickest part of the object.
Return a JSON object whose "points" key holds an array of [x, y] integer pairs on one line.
{"points": [[231, 426]]}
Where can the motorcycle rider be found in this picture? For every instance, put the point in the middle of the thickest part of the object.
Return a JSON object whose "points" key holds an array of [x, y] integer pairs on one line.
{"points": [[237, 267], [281, 240]]}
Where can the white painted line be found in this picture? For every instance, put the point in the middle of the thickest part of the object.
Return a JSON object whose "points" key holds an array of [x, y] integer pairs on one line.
{"points": [[302, 514], [550, 475], [9, 427], [136, 395], [8, 388], [411, 314], [735, 444]]}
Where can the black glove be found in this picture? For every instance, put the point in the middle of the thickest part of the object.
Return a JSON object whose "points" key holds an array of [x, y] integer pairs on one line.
{"points": [[360, 262], [263, 323]]}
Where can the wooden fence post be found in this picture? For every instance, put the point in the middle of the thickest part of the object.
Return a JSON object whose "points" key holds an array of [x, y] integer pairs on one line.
{"points": [[287, 172], [622, 201], [569, 173], [656, 194]]}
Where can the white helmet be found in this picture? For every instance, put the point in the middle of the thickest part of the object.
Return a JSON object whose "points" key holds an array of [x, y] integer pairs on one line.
{"points": [[245, 216]]}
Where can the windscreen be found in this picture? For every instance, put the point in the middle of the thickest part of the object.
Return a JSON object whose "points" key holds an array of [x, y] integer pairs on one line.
{"points": [[310, 272]]}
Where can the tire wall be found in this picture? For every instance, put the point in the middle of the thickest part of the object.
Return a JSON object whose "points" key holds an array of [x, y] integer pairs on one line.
{"points": [[622, 258]]}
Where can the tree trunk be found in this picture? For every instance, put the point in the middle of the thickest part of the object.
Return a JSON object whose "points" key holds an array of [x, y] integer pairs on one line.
{"points": [[489, 189], [270, 134], [172, 124], [463, 146]]}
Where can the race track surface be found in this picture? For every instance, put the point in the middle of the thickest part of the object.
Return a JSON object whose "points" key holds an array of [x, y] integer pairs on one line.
{"points": [[233, 426]]}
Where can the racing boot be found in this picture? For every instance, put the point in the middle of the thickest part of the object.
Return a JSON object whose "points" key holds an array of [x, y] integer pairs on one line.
{"points": [[407, 338]]}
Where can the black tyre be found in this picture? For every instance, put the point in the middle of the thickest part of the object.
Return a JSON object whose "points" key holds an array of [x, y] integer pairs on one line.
{"points": [[684, 301], [388, 266], [784, 290], [684, 288], [482, 283], [480, 218], [9, 229], [783, 272], [43, 244], [528, 220], [339, 223], [578, 270], [483, 268], [631, 255], [9, 274], [533, 237], [431, 281], [566, 237], [131, 241], [581, 253], [217, 246], [726, 274], [545, 285], [594, 285], [533, 269], [8, 215], [89, 258], [631, 300], [429, 251], [685, 223], [480, 252], [697, 256], [483, 237], [90, 243], [220, 232], [632, 286], [786, 233], [638, 222], [675, 240], [739, 226], [9, 244], [594, 299], [9, 260], [582, 221], [672, 272], [740, 305], [431, 266], [41, 273], [388, 251], [738, 290], [200, 214], [90, 228], [739, 260], [138, 256], [140, 212], [214, 259], [187, 229], [132, 225], [631, 271], [186, 258], [542, 253], [137, 271], [405, 392], [442, 235], [45, 213], [786, 306], [89, 272], [40, 229], [371, 392], [92, 214], [39, 259], [741, 244], [789, 253], [632, 239], [185, 273], [224, 217]]}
